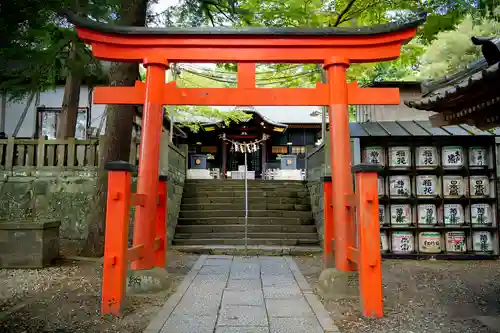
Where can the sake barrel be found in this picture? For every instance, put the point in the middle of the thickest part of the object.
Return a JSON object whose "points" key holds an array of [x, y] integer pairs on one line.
{"points": [[426, 157], [399, 157], [381, 214], [429, 242], [481, 214], [427, 214], [452, 157], [400, 215], [427, 186], [381, 187], [453, 186], [453, 214], [384, 242], [481, 241], [402, 241], [399, 186], [374, 155], [456, 242], [479, 186], [478, 157]]}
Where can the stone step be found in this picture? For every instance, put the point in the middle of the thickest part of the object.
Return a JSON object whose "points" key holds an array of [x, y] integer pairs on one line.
{"points": [[283, 193], [226, 200], [253, 250], [254, 241], [241, 213], [241, 206], [251, 235], [239, 228], [203, 220]]}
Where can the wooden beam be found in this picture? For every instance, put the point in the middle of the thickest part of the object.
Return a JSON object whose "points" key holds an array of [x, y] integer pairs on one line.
{"points": [[246, 96]]}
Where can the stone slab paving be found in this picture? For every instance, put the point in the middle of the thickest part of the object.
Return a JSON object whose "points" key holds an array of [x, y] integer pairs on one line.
{"points": [[232, 294]]}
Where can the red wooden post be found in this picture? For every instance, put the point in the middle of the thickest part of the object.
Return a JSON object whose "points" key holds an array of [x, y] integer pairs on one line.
{"points": [[328, 229], [340, 154], [116, 237], [370, 259], [147, 180], [161, 222]]}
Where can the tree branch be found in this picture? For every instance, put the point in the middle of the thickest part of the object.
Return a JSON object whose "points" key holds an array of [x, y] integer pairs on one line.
{"points": [[344, 12]]}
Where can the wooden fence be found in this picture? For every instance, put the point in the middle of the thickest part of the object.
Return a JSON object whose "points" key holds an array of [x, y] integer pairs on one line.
{"points": [[36, 153]]}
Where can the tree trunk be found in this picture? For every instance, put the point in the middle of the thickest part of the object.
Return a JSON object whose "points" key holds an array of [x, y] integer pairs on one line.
{"points": [[115, 145], [67, 119]]}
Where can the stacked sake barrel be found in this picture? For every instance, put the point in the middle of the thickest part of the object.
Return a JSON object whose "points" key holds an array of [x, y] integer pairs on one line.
{"points": [[436, 199]]}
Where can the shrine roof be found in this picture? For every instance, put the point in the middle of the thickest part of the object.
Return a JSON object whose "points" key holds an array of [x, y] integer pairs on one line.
{"points": [[387, 28], [467, 96], [415, 128], [254, 112]]}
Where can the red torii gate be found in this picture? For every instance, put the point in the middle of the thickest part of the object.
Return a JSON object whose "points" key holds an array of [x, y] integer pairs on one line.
{"points": [[335, 48]]}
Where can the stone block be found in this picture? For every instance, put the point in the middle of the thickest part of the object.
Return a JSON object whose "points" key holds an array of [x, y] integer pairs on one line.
{"points": [[29, 244], [148, 281], [242, 315], [333, 284]]}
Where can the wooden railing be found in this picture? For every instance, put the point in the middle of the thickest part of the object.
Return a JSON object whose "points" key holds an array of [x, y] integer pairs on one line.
{"points": [[36, 153]]}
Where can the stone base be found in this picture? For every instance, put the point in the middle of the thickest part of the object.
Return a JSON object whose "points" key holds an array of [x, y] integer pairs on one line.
{"points": [[29, 244], [148, 281], [333, 284]]}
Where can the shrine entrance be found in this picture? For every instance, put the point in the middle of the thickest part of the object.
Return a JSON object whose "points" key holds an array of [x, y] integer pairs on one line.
{"points": [[334, 48]]}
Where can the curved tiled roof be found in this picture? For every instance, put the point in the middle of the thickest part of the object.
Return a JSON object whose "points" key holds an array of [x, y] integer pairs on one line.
{"points": [[249, 109], [248, 31], [438, 92]]}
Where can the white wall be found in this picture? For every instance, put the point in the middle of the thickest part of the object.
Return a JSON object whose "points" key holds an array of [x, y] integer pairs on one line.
{"points": [[393, 112], [52, 98]]}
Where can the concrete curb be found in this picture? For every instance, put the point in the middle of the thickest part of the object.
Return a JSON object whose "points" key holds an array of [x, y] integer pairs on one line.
{"points": [[317, 307], [161, 317]]}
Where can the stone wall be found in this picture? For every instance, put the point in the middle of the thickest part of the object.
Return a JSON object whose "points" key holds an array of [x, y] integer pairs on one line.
{"points": [[315, 170], [64, 194], [318, 165]]}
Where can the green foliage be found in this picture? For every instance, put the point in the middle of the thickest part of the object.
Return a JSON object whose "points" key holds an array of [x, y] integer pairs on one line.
{"points": [[36, 41], [452, 50]]}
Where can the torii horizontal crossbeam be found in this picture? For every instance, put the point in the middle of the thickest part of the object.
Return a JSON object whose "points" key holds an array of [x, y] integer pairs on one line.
{"points": [[246, 96]]}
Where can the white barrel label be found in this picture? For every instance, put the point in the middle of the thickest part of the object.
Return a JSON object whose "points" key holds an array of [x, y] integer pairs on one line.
{"points": [[426, 157], [478, 157], [373, 155], [479, 186], [453, 214], [381, 214], [481, 241], [452, 157], [402, 242], [453, 186], [430, 242], [427, 214], [426, 186], [400, 214], [399, 186], [400, 157], [456, 241], [384, 244], [381, 187], [481, 214]]}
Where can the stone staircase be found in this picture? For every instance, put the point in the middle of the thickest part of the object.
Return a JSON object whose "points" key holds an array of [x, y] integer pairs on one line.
{"points": [[212, 218]]}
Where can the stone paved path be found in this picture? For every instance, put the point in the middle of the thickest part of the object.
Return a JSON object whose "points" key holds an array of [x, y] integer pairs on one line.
{"points": [[231, 294]]}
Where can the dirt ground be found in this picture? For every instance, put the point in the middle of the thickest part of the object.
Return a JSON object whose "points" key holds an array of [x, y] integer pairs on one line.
{"points": [[66, 299], [421, 296]]}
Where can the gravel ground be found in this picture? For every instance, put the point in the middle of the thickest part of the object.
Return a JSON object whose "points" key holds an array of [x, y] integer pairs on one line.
{"points": [[66, 299], [421, 296]]}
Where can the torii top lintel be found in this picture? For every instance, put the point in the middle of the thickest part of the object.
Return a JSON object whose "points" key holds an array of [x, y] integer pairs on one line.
{"points": [[253, 44]]}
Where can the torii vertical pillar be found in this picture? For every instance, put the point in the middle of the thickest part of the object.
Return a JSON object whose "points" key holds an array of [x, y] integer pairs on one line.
{"points": [[149, 155], [340, 154]]}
